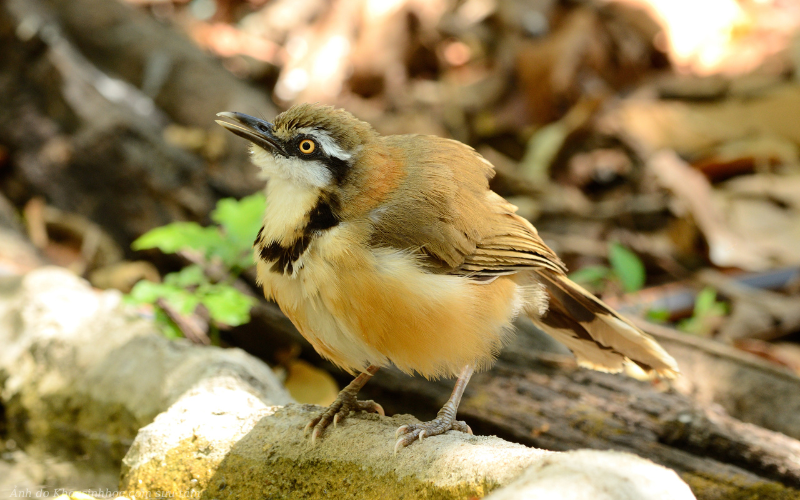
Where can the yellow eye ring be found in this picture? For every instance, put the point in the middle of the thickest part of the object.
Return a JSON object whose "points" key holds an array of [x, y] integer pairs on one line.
{"points": [[307, 146]]}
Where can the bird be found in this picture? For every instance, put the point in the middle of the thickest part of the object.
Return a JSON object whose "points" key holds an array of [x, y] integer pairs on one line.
{"points": [[393, 249]]}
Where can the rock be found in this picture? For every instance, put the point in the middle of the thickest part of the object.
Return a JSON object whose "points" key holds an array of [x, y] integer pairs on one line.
{"points": [[226, 444], [80, 373], [599, 475]]}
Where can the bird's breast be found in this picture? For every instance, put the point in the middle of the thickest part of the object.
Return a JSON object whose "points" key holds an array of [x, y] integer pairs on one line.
{"points": [[359, 306]]}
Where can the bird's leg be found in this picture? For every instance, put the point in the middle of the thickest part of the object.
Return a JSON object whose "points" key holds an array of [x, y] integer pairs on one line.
{"points": [[345, 403], [445, 419]]}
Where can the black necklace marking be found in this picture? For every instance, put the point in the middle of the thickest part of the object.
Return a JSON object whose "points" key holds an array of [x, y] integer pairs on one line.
{"points": [[321, 216], [258, 237], [284, 258]]}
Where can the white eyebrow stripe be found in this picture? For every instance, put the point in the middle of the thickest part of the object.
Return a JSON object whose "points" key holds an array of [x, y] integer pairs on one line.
{"points": [[326, 142]]}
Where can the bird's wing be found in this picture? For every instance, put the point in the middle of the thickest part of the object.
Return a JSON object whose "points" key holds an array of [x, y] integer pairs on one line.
{"points": [[445, 210], [508, 243]]}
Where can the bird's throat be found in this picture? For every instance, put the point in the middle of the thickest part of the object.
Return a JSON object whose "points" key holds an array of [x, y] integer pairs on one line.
{"points": [[295, 215]]}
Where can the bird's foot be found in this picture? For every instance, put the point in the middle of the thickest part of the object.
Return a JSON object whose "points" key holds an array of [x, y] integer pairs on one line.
{"points": [[339, 410], [442, 423]]}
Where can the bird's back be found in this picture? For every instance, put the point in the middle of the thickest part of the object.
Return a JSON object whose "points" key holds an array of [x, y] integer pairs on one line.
{"points": [[444, 208]]}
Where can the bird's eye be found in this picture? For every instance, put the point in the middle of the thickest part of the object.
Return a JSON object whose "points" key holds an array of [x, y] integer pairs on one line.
{"points": [[307, 146]]}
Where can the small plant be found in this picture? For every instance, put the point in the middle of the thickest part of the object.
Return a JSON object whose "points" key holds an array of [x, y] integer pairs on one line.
{"points": [[626, 268], [200, 299], [707, 316], [658, 315]]}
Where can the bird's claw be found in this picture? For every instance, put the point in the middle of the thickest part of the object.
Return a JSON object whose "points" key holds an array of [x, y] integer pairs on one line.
{"points": [[378, 409], [314, 436], [409, 433], [337, 412]]}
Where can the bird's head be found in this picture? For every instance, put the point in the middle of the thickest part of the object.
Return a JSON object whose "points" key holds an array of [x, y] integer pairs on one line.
{"points": [[311, 145]]}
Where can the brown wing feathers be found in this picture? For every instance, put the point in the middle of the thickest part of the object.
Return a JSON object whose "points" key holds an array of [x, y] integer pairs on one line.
{"points": [[599, 337], [512, 245]]}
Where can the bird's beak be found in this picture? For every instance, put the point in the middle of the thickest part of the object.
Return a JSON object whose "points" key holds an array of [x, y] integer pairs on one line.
{"points": [[255, 130]]}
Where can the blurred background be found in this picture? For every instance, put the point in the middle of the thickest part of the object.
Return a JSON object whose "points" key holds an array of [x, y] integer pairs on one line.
{"points": [[654, 144]]}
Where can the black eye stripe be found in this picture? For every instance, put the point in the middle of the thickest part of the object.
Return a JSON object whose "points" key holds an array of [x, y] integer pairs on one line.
{"points": [[338, 167]]}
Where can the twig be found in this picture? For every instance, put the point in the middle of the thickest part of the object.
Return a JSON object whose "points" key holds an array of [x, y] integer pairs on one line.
{"points": [[192, 327]]}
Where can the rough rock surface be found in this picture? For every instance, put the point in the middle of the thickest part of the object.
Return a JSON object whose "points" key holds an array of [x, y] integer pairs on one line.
{"points": [[222, 443], [80, 374], [599, 475]]}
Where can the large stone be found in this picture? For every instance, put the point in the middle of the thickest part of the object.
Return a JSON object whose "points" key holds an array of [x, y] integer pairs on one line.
{"points": [[81, 374], [223, 443]]}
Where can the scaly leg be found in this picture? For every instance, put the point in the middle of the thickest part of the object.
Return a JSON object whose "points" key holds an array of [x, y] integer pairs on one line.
{"points": [[345, 403], [444, 421]]}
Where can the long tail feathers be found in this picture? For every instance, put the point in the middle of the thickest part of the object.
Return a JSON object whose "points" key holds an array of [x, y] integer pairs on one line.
{"points": [[599, 337]]}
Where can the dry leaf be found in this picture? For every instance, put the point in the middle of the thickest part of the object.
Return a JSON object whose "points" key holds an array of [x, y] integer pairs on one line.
{"points": [[308, 384], [692, 128], [123, 275], [784, 353], [765, 209], [692, 189]]}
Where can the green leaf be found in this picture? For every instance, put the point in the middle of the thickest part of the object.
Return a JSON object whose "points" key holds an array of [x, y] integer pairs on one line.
{"points": [[658, 315], [186, 277], [707, 311], [228, 243], [691, 325], [178, 236], [228, 305], [592, 275], [627, 266], [147, 292], [704, 302], [241, 219], [168, 327], [181, 300]]}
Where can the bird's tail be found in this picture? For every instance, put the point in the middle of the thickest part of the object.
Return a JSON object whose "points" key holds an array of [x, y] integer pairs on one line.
{"points": [[600, 338]]}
